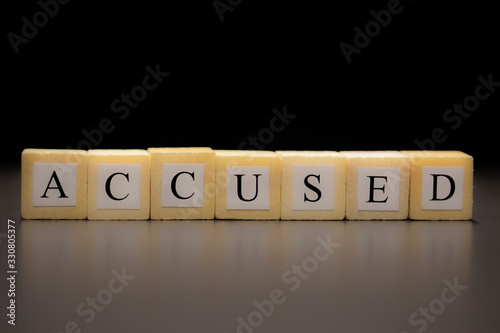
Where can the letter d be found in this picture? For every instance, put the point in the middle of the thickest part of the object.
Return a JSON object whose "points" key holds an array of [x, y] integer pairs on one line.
{"points": [[51, 7], [425, 144], [383, 17], [435, 185], [243, 324], [28, 29], [262, 307], [95, 136], [361, 40]]}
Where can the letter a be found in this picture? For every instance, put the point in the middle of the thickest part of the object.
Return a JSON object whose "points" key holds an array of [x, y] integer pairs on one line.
{"points": [[348, 50], [58, 187], [221, 8], [16, 40]]}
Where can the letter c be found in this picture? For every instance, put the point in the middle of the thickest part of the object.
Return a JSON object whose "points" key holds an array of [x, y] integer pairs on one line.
{"points": [[146, 84], [108, 185], [112, 288], [174, 182], [447, 300], [274, 128]]}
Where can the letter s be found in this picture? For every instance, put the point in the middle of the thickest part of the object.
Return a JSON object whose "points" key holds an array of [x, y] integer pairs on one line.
{"points": [[449, 117], [81, 312], [125, 110], [292, 279], [414, 322]]}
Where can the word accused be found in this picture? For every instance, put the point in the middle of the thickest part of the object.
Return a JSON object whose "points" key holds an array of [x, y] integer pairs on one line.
{"points": [[201, 183]]}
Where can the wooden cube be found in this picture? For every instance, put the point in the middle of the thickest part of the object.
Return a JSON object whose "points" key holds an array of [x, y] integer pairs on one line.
{"points": [[377, 185], [118, 184], [182, 183], [441, 185], [53, 184], [248, 185], [313, 185]]}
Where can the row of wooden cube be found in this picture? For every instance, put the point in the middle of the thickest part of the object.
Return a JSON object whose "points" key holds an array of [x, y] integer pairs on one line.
{"points": [[201, 183]]}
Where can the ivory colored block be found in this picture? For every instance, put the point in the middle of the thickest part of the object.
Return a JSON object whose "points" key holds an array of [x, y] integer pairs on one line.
{"points": [[377, 185], [118, 184], [441, 185], [313, 185], [53, 184], [247, 185], [182, 183]]}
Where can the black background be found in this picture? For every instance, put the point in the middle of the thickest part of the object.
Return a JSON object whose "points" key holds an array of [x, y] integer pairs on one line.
{"points": [[227, 76]]}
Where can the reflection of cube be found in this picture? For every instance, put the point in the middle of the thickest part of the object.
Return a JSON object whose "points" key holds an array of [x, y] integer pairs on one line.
{"points": [[312, 185], [182, 183], [54, 184], [441, 185], [118, 184], [248, 184], [377, 185]]}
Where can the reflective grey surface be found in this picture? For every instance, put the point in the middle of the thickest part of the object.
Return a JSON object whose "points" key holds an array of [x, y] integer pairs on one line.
{"points": [[221, 276]]}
